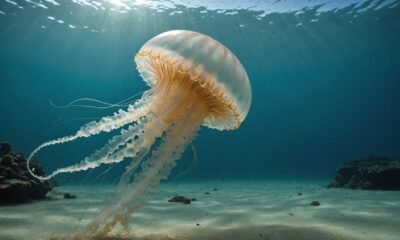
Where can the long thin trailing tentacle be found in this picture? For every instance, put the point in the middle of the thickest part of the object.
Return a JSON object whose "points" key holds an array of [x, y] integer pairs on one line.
{"points": [[106, 105], [124, 103], [192, 166]]}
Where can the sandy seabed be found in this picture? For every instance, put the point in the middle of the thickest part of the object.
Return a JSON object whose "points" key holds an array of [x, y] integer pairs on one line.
{"points": [[238, 210]]}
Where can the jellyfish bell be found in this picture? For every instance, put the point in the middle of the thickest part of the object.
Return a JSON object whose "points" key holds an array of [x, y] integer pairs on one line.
{"points": [[214, 74], [194, 80]]}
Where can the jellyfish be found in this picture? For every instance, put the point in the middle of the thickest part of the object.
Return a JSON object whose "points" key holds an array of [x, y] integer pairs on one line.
{"points": [[194, 81]]}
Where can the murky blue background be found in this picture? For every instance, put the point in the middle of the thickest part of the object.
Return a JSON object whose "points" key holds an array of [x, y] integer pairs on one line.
{"points": [[325, 77]]}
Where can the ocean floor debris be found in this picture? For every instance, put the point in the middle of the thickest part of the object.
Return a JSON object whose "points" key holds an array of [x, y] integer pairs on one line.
{"points": [[182, 199], [69, 196], [315, 203]]}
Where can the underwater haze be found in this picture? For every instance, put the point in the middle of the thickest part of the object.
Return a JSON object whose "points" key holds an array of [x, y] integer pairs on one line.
{"points": [[324, 76], [323, 88]]}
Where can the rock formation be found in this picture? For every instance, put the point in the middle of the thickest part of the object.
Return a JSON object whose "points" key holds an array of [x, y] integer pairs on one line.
{"points": [[373, 173], [16, 183], [181, 199]]}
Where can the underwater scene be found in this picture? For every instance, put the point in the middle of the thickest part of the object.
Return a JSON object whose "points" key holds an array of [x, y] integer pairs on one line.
{"points": [[200, 119]]}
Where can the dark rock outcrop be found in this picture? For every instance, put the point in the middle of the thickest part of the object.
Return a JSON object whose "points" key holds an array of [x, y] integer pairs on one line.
{"points": [[181, 199], [373, 173], [315, 203], [16, 183], [69, 196]]}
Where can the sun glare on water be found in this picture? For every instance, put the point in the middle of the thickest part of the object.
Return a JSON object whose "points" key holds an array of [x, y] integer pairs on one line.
{"points": [[126, 3]]}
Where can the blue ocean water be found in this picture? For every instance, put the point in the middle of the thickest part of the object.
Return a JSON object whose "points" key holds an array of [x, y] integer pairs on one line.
{"points": [[324, 76]]}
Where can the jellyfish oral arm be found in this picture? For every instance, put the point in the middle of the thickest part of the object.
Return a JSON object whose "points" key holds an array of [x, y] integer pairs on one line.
{"points": [[180, 118], [106, 124]]}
